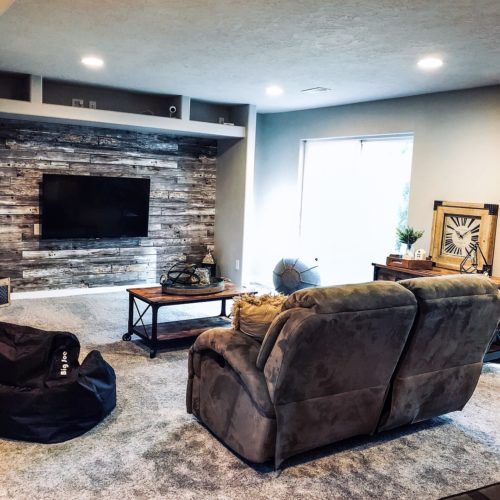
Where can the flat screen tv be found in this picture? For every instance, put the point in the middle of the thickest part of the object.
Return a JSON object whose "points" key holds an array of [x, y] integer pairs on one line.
{"points": [[80, 206]]}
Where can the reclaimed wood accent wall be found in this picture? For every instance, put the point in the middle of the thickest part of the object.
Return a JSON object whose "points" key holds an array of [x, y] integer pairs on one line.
{"points": [[182, 206]]}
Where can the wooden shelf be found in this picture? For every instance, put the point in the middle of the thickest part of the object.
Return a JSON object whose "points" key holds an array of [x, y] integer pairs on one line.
{"points": [[184, 329]]}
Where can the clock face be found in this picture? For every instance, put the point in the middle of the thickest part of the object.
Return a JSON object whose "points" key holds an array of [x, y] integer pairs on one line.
{"points": [[460, 234]]}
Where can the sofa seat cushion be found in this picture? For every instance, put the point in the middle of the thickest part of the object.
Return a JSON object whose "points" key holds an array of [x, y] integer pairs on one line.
{"points": [[240, 352]]}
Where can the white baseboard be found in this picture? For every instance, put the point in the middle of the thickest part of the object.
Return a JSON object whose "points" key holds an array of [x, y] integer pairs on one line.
{"points": [[67, 292]]}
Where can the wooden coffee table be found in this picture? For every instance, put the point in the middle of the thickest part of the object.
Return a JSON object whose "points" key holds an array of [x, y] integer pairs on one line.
{"points": [[157, 333]]}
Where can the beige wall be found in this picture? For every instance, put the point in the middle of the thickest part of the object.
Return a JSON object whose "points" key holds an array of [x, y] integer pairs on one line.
{"points": [[456, 157]]}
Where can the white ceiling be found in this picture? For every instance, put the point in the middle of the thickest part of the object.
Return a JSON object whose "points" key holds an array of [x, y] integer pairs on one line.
{"points": [[230, 50]]}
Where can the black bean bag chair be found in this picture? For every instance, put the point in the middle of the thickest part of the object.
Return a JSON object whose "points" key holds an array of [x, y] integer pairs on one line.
{"points": [[46, 396]]}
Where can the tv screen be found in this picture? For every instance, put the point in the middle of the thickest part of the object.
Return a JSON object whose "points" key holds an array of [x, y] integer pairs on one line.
{"points": [[80, 206]]}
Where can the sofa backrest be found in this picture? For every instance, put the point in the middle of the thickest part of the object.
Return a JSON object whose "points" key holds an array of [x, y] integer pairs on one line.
{"points": [[328, 360], [442, 361]]}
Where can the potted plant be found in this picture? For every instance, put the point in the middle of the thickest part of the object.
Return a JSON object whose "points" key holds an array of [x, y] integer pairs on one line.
{"points": [[408, 236]]}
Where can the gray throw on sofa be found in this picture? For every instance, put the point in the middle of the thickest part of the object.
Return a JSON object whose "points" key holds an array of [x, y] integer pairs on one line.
{"points": [[343, 361]]}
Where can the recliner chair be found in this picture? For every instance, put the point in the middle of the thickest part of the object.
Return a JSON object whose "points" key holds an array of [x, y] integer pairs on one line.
{"points": [[442, 360], [321, 374]]}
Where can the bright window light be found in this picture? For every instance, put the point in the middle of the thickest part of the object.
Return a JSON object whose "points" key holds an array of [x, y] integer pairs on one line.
{"points": [[349, 218]]}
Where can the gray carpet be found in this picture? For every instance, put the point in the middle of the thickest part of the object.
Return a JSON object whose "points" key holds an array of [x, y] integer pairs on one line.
{"points": [[150, 448]]}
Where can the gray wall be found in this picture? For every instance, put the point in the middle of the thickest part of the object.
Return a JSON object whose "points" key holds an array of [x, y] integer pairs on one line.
{"points": [[456, 157], [182, 205]]}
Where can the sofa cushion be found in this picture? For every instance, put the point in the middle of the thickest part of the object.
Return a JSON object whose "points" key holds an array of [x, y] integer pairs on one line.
{"points": [[454, 285], [351, 298], [456, 319], [334, 299]]}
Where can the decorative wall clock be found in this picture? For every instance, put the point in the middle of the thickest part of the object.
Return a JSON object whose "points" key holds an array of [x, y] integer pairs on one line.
{"points": [[457, 227]]}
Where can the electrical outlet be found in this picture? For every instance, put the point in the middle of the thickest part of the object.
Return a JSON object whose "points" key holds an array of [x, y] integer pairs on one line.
{"points": [[92, 104], [36, 229], [237, 265], [77, 103]]}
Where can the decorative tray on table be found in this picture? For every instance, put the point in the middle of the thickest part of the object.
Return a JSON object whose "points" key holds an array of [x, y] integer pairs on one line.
{"points": [[189, 279]]}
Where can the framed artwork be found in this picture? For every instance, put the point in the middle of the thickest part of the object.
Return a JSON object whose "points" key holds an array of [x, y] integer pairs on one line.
{"points": [[457, 227]]}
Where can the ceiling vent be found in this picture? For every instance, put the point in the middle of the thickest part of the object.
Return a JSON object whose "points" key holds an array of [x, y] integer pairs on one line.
{"points": [[316, 90]]}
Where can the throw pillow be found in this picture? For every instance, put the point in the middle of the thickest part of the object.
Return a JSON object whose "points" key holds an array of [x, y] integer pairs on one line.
{"points": [[253, 314]]}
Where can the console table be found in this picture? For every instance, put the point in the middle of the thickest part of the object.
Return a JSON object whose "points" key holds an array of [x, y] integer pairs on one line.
{"points": [[154, 298], [394, 273]]}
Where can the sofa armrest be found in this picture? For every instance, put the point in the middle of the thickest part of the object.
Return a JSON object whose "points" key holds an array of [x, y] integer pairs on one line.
{"points": [[240, 352]]}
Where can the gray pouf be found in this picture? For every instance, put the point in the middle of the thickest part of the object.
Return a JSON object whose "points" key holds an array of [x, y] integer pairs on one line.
{"points": [[291, 274]]}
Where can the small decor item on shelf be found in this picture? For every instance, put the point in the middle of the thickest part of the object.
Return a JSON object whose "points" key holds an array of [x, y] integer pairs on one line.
{"points": [[420, 254], [470, 264], [408, 236], [4, 292], [291, 274], [189, 279], [208, 261], [209, 258], [457, 227]]}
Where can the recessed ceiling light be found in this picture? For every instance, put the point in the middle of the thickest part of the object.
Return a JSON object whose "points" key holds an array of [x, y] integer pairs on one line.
{"points": [[430, 63], [274, 90], [315, 90], [92, 62]]}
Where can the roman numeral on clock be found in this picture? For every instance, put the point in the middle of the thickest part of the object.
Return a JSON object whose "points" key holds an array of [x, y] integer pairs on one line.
{"points": [[450, 247]]}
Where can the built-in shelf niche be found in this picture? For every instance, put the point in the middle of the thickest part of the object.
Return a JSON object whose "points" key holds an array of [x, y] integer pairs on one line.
{"points": [[14, 86], [111, 99], [210, 112]]}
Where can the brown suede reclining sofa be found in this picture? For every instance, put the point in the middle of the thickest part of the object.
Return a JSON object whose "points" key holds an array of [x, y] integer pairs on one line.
{"points": [[344, 361]]}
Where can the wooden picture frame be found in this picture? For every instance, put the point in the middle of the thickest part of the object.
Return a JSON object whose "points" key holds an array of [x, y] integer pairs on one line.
{"points": [[5, 282], [485, 214]]}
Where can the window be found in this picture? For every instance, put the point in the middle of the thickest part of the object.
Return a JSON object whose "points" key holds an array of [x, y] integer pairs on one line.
{"points": [[354, 196]]}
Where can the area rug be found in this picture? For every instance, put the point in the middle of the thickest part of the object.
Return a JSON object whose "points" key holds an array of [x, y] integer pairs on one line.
{"points": [[151, 448]]}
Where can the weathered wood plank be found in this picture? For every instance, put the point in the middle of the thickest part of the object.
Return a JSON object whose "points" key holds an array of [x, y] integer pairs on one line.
{"points": [[182, 208]]}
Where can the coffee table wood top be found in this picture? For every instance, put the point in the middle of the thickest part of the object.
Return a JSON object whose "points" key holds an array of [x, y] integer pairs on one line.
{"points": [[154, 295]]}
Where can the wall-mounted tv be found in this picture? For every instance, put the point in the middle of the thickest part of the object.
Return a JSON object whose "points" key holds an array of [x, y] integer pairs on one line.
{"points": [[81, 206]]}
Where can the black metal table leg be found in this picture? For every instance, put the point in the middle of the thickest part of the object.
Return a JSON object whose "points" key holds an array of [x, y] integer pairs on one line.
{"points": [[154, 333], [223, 308], [128, 335]]}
